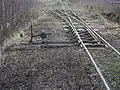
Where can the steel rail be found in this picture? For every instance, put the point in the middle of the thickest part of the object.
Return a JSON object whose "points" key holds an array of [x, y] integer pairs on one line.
{"points": [[82, 21], [86, 49], [93, 34], [61, 16]]}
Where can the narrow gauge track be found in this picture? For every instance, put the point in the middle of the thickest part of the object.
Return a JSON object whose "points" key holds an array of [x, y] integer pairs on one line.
{"points": [[82, 33]]}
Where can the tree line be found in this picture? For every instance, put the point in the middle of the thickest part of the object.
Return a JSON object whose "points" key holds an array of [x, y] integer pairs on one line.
{"points": [[13, 13]]}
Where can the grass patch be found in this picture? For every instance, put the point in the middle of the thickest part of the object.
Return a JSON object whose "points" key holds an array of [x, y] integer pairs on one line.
{"points": [[113, 74]]}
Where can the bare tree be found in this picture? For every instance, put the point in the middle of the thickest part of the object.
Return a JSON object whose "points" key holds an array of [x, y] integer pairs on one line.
{"points": [[13, 13]]}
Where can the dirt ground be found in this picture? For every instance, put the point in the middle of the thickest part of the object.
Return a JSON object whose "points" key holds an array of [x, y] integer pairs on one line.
{"points": [[65, 68], [48, 68]]}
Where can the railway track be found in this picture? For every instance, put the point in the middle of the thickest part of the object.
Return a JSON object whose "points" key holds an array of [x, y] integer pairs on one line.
{"points": [[57, 68], [83, 34]]}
